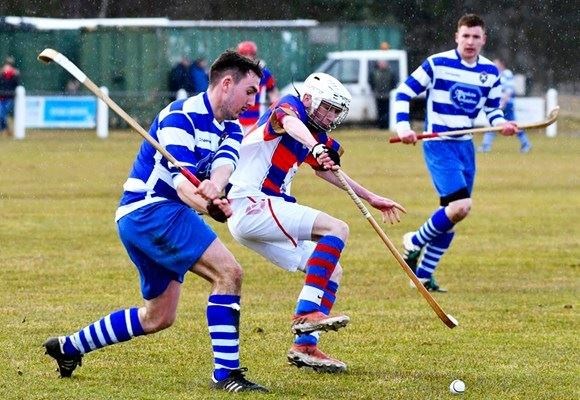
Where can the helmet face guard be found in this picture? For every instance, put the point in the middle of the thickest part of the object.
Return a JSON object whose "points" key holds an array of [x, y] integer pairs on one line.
{"points": [[330, 101], [327, 116]]}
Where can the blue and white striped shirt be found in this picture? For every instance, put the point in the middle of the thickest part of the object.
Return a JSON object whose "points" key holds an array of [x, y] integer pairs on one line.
{"points": [[506, 78], [456, 93], [188, 130]]}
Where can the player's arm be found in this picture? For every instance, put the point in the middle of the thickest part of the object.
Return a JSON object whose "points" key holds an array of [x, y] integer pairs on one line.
{"points": [[494, 113], [414, 85], [390, 210], [298, 130], [208, 197]]}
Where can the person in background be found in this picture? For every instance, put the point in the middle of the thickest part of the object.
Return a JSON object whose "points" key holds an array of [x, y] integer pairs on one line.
{"points": [[199, 76], [382, 82], [507, 105], [268, 93], [459, 84], [180, 77], [9, 81], [165, 237]]}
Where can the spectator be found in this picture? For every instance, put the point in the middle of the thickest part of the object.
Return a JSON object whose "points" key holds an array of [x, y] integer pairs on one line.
{"points": [[382, 82], [9, 80], [267, 87], [506, 78], [180, 77], [199, 76]]}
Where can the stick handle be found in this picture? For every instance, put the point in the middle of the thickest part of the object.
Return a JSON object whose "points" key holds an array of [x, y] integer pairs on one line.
{"points": [[448, 320], [552, 116]]}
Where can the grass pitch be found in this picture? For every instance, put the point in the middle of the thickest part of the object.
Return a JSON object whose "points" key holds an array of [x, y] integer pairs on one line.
{"points": [[512, 275]]}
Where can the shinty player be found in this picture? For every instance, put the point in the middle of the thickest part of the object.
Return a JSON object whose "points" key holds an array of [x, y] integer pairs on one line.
{"points": [[159, 225], [267, 218], [459, 84]]}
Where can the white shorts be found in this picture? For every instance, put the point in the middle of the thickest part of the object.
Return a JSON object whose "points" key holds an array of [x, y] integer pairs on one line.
{"points": [[278, 230]]}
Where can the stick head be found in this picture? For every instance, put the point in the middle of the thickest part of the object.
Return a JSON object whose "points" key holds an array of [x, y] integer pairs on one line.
{"points": [[47, 55], [452, 322], [553, 115]]}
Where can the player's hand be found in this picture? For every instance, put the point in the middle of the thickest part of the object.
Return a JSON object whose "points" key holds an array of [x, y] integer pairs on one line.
{"points": [[208, 190], [509, 128], [328, 158], [408, 136], [389, 209], [219, 209]]}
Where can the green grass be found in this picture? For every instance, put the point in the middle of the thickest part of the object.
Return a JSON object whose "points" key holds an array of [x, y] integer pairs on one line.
{"points": [[512, 275]]}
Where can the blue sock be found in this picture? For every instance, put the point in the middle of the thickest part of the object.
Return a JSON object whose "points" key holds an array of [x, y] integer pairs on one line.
{"points": [[319, 268], [223, 320], [433, 227], [523, 138], [116, 327], [487, 141], [433, 253]]}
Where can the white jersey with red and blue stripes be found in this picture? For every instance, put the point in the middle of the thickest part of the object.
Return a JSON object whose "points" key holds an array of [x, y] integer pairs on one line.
{"points": [[188, 130], [456, 93], [270, 157]]}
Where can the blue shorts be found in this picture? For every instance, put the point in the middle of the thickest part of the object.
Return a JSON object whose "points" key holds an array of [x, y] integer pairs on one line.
{"points": [[451, 164], [164, 240]]}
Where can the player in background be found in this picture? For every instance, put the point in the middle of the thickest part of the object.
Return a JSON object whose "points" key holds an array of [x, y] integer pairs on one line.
{"points": [[268, 92], [459, 83], [267, 219], [159, 225], [506, 78]]}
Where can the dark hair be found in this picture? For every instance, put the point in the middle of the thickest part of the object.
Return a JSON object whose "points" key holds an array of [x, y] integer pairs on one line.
{"points": [[470, 21], [230, 62]]}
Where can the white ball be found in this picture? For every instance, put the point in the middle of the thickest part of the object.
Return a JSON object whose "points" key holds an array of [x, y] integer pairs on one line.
{"points": [[457, 386]]}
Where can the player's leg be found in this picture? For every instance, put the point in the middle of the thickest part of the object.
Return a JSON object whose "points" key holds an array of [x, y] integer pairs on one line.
{"points": [[218, 266], [487, 142], [331, 235], [278, 230], [452, 169], [160, 287]]}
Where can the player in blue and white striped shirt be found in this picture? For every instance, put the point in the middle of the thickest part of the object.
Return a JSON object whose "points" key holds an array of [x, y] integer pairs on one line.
{"points": [[458, 83], [159, 225]]}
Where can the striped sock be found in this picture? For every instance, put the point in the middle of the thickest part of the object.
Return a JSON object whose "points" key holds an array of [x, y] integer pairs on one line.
{"points": [[223, 320], [433, 253], [319, 268], [434, 226], [116, 327], [328, 300]]}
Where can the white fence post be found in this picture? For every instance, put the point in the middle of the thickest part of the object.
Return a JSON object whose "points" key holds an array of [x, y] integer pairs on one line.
{"points": [[102, 116], [19, 113], [551, 103]]}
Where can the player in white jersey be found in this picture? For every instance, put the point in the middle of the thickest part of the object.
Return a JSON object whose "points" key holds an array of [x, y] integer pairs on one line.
{"points": [[267, 219], [506, 103], [159, 225], [459, 83]]}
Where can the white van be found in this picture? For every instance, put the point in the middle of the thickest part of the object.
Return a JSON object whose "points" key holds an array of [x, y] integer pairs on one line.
{"points": [[353, 69]]}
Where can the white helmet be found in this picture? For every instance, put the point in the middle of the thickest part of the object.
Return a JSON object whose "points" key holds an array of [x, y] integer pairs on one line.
{"points": [[327, 94]]}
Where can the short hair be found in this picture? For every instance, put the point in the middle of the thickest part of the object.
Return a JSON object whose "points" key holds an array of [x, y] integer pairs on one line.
{"points": [[230, 62], [470, 21]]}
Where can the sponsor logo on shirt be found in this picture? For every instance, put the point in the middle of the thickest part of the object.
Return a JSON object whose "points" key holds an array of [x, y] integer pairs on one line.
{"points": [[465, 97]]}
